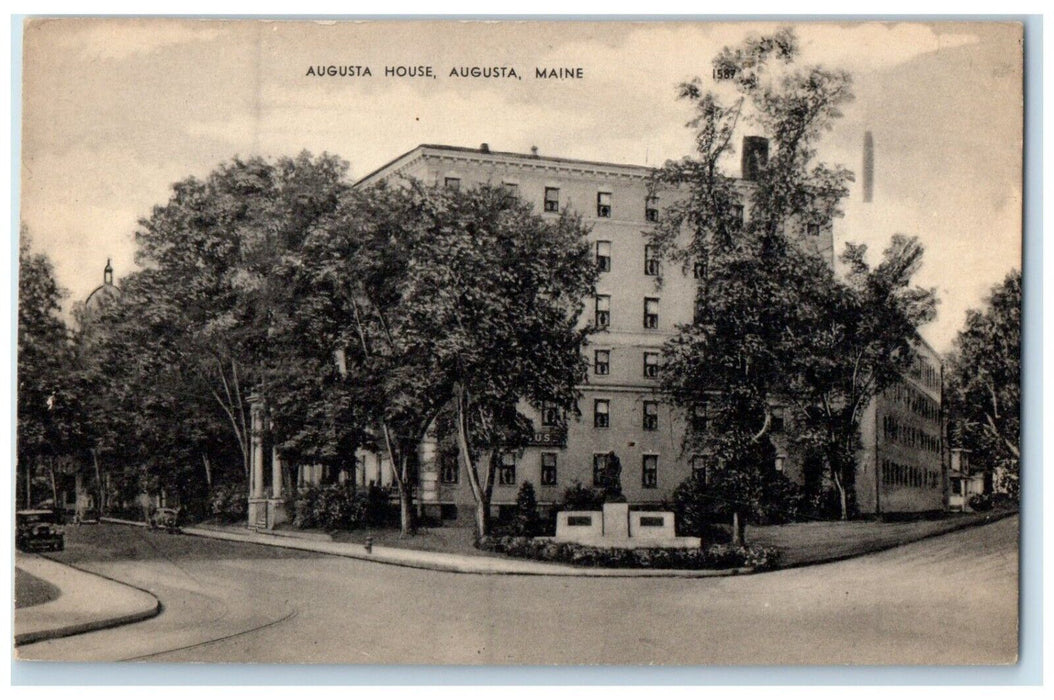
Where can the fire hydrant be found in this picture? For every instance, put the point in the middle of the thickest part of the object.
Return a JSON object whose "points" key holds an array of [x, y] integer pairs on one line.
{"points": [[369, 545]]}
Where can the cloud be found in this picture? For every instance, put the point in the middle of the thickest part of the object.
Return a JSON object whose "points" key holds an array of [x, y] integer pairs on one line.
{"points": [[116, 39]]}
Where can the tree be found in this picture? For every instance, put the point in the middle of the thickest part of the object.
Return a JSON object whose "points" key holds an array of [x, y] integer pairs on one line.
{"points": [[984, 384], [773, 325], [48, 407], [460, 301]]}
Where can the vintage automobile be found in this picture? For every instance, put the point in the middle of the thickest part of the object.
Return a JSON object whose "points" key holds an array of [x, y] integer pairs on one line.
{"points": [[38, 529]]}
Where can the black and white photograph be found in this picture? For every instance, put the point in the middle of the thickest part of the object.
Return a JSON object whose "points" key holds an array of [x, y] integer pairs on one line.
{"points": [[519, 343]]}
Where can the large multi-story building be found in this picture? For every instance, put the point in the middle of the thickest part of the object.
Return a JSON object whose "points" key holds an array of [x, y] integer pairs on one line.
{"points": [[621, 410]]}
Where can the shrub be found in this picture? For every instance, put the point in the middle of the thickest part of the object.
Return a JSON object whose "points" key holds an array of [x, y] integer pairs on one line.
{"points": [[713, 557], [229, 502], [579, 497], [526, 521], [330, 507]]}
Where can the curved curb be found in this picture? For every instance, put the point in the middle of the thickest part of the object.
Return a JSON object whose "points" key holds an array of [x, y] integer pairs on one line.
{"points": [[522, 567], [92, 625]]}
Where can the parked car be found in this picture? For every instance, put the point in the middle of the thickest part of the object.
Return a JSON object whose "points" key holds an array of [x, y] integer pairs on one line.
{"points": [[39, 529]]}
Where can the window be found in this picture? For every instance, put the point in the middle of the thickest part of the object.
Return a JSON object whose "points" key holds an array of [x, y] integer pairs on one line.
{"points": [[651, 312], [603, 319], [600, 463], [737, 215], [651, 365], [511, 188], [507, 469], [448, 471], [604, 205], [601, 408], [550, 415], [601, 362], [777, 419], [548, 469], [699, 270], [701, 469], [812, 229], [552, 199], [452, 183], [651, 261], [604, 256], [699, 419], [651, 209], [651, 415], [781, 461], [649, 477]]}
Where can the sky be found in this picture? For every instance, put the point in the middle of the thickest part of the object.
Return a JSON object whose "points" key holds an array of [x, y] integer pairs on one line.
{"points": [[117, 110]]}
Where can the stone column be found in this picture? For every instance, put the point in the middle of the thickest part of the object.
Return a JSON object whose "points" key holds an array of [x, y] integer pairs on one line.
{"points": [[256, 449], [276, 474]]}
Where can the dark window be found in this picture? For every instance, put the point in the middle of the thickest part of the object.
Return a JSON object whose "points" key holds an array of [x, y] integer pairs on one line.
{"points": [[699, 418], [600, 463], [651, 261], [649, 477], [737, 215], [579, 520], [511, 188], [604, 256], [452, 183], [507, 470], [601, 362], [548, 469], [601, 408], [651, 415], [552, 199], [651, 312], [604, 205], [651, 209], [812, 229], [699, 270], [603, 318], [448, 471], [778, 419], [651, 364], [550, 415], [701, 469]]}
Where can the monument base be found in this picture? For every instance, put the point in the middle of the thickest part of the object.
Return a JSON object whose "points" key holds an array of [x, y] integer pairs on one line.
{"points": [[619, 527]]}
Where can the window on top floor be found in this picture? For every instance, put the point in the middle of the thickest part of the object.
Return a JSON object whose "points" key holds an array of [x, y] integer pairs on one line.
{"points": [[604, 205], [511, 188], [452, 183], [552, 199], [812, 229], [651, 209]]}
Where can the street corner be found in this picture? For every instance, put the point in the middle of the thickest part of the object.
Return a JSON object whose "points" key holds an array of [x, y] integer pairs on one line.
{"points": [[85, 602]]}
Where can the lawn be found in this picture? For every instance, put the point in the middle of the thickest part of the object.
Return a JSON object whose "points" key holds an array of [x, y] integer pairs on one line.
{"points": [[798, 543], [30, 590]]}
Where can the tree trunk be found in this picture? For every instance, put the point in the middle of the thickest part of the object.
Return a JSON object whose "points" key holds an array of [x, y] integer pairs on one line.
{"points": [[54, 487], [208, 471], [406, 521], [98, 480], [482, 519], [843, 499], [739, 529]]}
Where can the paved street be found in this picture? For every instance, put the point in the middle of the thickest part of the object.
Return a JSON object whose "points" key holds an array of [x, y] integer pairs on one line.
{"points": [[951, 599]]}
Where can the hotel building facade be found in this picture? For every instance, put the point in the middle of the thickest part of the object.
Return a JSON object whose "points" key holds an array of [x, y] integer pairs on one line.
{"points": [[621, 409]]}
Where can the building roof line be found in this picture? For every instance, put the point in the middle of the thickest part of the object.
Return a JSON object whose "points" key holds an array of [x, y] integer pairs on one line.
{"points": [[527, 157]]}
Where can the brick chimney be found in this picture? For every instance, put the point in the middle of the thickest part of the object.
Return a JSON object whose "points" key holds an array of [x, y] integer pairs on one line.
{"points": [[755, 156]]}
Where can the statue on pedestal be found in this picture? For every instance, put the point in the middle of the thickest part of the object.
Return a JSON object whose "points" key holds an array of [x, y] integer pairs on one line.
{"points": [[611, 479]]}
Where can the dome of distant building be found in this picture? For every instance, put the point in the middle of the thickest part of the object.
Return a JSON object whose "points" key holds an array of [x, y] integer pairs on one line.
{"points": [[103, 295]]}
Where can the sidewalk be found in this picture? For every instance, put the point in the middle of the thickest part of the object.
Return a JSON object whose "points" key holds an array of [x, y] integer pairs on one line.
{"points": [[86, 602], [443, 561]]}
